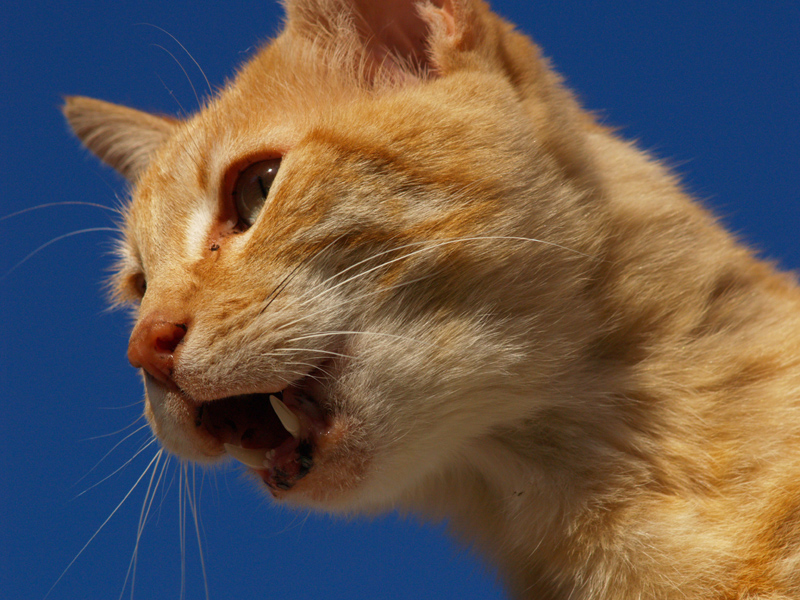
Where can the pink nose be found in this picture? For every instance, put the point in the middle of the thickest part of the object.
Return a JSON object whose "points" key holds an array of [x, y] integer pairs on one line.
{"points": [[152, 346]]}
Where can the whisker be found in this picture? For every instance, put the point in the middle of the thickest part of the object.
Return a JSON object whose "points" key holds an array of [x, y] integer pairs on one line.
{"points": [[436, 244], [195, 509], [390, 335], [294, 523], [210, 91], [280, 351], [280, 287], [196, 97], [285, 281], [165, 491], [369, 259], [361, 262], [114, 447], [126, 406], [148, 496], [182, 528], [113, 433], [99, 529], [53, 241], [298, 374], [125, 464], [173, 96], [311, 367], [51, 204], [351, 300]]}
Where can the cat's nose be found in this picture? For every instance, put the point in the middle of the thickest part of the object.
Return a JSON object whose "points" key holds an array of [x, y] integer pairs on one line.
{"points": [[152, 346]]}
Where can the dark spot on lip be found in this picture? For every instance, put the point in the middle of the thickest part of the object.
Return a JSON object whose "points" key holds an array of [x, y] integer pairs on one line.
{"points": [[305, 455], [279, 480]]}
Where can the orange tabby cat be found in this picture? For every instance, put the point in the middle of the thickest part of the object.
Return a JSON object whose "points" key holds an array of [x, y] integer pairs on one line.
{"points": [[394, 265]]}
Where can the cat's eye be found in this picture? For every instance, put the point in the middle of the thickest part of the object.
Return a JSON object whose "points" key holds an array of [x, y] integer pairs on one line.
{"points": [[252, 188], [140, 284]]}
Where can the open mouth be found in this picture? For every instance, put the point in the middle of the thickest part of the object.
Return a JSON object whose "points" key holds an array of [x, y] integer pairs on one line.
{"points": [[274, 434]]}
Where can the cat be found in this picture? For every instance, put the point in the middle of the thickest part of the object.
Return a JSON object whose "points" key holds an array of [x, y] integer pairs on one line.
{"points": [[395, 265]]}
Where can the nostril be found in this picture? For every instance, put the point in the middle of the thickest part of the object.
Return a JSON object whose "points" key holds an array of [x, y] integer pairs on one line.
{"points": [[153, 344], [169, 336]]}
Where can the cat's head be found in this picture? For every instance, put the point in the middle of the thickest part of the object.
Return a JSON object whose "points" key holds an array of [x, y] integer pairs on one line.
{"points": [[359, 258]]}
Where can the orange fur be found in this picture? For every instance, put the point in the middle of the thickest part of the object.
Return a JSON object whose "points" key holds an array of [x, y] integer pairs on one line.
{"points": [[534, 331]]}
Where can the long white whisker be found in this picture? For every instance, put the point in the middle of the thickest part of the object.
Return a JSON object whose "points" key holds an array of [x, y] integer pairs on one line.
{"points": [[51, 204], [390, 335], [113, 433], [196, 97], [298, 374], [126, 406], [351, 300], [165, 491], [278, 352], [439, 243], [99, 529], [53, 241], [361, 262], [287, 279], [182, 528], [192, 504], [295, 523], [311, 367], [146, 504], [114, 447], [117, 470], [210, 91], [172, 94]]}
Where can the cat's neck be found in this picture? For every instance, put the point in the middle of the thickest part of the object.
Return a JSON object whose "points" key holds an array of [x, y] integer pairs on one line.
{"points": [[666, 397]]}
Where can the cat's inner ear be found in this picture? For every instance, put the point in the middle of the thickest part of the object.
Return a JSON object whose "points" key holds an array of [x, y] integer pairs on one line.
{"points": [[393, 30], [394, 36], [123, 138]]}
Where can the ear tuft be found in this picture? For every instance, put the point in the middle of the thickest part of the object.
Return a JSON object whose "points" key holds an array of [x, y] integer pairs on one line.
{"points": [[122, 137]]}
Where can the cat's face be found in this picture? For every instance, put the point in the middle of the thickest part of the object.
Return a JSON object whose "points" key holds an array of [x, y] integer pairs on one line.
{"points": [[327, 271]]}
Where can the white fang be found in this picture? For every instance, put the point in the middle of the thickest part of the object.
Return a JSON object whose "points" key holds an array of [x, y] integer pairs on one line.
{"points": [[255, 458], [289, 420]]}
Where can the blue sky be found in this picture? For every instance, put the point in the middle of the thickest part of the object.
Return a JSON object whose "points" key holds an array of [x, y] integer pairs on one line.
{"points": [[712, 87]]}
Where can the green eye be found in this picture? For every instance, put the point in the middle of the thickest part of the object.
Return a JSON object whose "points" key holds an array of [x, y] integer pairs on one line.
{"points": [[252, 189]]}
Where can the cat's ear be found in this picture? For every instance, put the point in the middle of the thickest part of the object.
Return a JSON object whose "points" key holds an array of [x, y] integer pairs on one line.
{"points": [[122, 137], [407, 37]]}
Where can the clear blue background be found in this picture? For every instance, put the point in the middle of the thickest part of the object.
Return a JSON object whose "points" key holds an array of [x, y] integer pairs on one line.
{"points": [[712, 87]]}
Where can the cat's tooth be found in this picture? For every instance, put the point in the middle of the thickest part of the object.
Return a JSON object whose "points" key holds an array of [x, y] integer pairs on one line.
{"points": [[255, 458], [288, 419]]}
